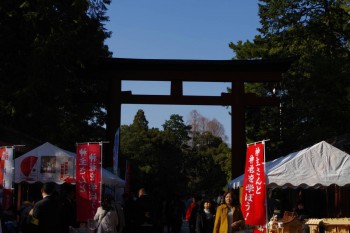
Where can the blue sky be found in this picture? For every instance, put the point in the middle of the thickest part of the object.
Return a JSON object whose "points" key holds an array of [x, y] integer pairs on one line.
{"points": [[179, 29]]}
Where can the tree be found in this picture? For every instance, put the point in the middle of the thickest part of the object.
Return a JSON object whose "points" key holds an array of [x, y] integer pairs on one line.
{"points": [[216, 129], [155, 155], [201, 124], [207, 165], [140, 122], [315, 91], [177, 130], [45, 50]]}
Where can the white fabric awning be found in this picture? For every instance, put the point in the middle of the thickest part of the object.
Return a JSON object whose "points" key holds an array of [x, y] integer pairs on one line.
{"points": [[320, 165], [46, 163], [49, 163]]}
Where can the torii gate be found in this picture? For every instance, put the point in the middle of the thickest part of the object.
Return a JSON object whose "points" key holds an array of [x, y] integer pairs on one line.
{"points": [[237, 72]]}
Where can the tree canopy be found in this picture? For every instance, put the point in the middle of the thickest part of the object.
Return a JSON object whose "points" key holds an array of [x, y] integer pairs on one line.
{"points": [[314, 92], [167, 160], [45, 49]]}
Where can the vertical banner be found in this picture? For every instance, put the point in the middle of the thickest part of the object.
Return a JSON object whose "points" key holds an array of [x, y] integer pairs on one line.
{"points": [[6, 167], [254, 191], [2, 166], [6, 176], [88, 180], [115, 152]]}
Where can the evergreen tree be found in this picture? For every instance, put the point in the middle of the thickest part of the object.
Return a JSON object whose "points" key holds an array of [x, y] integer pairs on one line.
{"points": [[45, 50], [315, 91]]}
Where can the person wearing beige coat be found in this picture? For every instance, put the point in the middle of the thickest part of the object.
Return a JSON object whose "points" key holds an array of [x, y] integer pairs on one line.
{"points": [[229, 217]]}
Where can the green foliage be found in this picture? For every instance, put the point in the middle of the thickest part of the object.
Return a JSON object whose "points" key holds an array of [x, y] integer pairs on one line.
{"points": [[177, 130], [45, 49], [163, 160], [208, 164], [140, 122], [314, 92]]}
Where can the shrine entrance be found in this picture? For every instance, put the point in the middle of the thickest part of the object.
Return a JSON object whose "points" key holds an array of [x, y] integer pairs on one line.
{"points": [[236, 72]]}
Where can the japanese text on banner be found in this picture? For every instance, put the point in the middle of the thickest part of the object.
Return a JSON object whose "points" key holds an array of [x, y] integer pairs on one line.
{"points": [[88, 179], [254, 191]]}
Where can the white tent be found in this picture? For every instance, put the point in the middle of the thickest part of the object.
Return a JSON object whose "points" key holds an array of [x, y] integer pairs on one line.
{"points": [[44, 164], [319, 165], [110, 179], [51, 163]]}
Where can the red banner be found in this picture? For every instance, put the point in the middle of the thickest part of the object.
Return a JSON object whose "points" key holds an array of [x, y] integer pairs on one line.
{"points": [[254, 191], [2, 166], [88, 180], [6, 167]]}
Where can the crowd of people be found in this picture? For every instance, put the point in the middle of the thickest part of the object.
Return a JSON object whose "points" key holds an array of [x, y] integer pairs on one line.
{"points": [[143, 213], [203, 214]]}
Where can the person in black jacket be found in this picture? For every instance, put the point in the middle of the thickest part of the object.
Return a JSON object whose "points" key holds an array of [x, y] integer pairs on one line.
{"points": [[205, 217], [68, 208], [46, 212], [145, 212]]}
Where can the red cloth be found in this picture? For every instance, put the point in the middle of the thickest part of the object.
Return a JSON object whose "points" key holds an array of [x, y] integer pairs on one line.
{"points": [[189, 210]]}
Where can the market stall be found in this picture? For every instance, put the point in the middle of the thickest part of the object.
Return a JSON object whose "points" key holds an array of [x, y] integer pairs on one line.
{"points": [[49, 163], [46, 163], [321, 171]]}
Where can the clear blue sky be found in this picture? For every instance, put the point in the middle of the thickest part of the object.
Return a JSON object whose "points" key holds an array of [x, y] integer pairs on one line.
{"points": [[179, 29]]}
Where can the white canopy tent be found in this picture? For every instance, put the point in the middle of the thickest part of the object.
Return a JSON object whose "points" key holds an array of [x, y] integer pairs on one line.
{"points": [[320, 165], [50, 163]]}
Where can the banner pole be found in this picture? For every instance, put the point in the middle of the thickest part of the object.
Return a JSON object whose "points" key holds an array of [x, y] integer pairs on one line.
{"points": [[266, 194], [265, 140], [101, 163], [101, 142]]}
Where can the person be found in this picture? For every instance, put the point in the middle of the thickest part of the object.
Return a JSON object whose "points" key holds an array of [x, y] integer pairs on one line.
{"points": [[189, 207], [228, 217], [120, 213], [24, 219], [129, 212], [193, 215], [276, 205], [145, 213], [47, 212], [9, 220], [68, 206], [220, 199], [301, 211], [106, 216], [176, 211], [205, 218]]}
